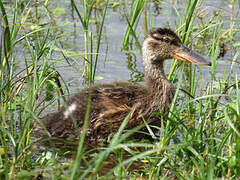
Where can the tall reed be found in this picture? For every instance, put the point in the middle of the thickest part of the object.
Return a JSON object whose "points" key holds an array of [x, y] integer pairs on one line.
{"points": [[136, 11], [90, 64], [199, 138]]}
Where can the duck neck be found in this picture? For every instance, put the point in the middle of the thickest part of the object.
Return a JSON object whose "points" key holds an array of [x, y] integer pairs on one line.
{"points": [[160, 89], [154, 70], [155, 75], [156, 79]]}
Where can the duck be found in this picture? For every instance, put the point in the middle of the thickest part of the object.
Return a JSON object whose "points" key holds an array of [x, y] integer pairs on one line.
{"points": [[111, 103]]}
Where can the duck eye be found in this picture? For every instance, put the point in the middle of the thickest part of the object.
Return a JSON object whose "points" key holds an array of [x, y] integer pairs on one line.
{"points": [[166, 39]]}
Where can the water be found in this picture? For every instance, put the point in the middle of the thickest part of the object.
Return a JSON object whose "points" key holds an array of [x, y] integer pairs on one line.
{"points": [[114, 63]]}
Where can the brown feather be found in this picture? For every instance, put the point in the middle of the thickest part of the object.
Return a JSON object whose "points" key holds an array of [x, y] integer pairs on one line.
{"points": [[111, 103]]}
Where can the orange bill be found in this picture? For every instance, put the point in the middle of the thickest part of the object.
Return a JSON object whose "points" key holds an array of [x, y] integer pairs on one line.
{"points": [[187, 55]]}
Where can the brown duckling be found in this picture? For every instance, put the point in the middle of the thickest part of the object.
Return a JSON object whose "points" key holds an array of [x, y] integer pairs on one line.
{"points": [[111, 103]]}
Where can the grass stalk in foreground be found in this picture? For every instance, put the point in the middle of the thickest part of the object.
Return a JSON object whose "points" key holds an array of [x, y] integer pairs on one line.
{"points": [[203, 145], [79, 156]]}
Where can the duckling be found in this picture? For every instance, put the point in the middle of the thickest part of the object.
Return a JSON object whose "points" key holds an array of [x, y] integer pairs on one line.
{"points": [[111, 103]]}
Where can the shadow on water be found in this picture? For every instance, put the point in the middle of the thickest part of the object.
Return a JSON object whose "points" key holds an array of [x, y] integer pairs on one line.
{"points": [[135, 74]]}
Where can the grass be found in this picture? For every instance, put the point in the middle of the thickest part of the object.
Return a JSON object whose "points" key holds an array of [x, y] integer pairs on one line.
{"points": [[201, 136]]}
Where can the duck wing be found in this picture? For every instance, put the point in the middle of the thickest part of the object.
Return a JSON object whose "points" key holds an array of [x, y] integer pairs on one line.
{"points": [[110, 104]]}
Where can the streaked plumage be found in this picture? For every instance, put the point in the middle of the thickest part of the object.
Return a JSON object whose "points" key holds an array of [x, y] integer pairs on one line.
{"points": [[111, 103]]}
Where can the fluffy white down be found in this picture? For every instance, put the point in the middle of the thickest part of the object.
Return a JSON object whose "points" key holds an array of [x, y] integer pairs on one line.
{"points": [[69, 110]]}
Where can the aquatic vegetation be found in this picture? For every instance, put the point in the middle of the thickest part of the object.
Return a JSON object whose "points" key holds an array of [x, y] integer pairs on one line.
{"points": [[47, 52]]}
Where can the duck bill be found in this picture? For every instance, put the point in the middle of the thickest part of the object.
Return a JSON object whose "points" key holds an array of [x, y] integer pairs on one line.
{"points": [[187, 55]]}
